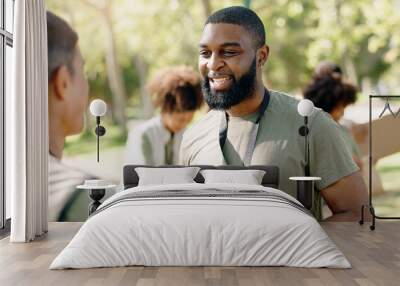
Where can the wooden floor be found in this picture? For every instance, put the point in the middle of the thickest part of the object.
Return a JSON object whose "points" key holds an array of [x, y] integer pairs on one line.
{"points": [[375, 257]]}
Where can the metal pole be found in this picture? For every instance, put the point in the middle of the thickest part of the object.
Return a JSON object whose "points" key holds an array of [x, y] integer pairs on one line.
{"points": [[98, 135], [306, 147], [98, 147], [370, 151]]}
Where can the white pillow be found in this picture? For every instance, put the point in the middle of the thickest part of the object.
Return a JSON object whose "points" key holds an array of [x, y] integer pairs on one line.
{"points": [[248, 177], [165, 176]]}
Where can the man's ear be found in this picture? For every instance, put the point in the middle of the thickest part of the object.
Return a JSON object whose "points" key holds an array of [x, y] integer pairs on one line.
{"points": [[60, 82], [263, 53]]}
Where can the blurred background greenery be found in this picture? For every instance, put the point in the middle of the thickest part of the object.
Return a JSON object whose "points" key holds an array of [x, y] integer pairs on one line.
{"points": [[124, 42]]}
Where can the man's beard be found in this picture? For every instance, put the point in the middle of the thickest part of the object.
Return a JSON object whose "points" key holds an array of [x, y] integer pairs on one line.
{"points": [[239, 91]]}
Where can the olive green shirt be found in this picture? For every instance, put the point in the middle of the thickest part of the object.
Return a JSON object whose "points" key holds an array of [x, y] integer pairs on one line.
{"points": [[278, 143], [349, 140]]}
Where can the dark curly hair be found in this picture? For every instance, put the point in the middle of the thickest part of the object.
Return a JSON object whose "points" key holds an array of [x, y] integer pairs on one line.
{"points": [[329, 89], [176, 89], [326, 67]]}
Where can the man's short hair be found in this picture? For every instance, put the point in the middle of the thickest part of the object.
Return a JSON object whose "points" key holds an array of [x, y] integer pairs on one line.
{"points": [[61, 44], [241, 16]]}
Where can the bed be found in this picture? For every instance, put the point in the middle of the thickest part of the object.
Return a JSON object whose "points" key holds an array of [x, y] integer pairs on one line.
{"points": [[201, 224]]}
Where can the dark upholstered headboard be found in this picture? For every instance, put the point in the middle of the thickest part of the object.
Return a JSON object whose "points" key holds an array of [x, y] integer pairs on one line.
{"points": [[270, 179]]}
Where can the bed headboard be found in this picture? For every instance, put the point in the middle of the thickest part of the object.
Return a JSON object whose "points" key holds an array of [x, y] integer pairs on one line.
{"points": [[270, 179]]}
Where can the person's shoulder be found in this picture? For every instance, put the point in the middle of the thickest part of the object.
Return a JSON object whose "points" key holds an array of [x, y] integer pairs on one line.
{"points": [[148, 126], [62, 173], [320, 116], [198, 135], [283, 99], [286, 106], [283, 105], [323, 121], [203, 126]]}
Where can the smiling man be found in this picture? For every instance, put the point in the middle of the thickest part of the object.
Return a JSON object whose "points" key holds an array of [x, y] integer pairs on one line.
{"points": [[251, 125]]}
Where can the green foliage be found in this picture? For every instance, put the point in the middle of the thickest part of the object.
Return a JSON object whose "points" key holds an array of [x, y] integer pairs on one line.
{"points": [[86, 141], [359, 34]]}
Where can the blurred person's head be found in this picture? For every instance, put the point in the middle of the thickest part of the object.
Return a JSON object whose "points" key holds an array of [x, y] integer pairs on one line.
{"points": [[329, 91], [232, 51], [325, 68], [177, 92], [67, 84]]}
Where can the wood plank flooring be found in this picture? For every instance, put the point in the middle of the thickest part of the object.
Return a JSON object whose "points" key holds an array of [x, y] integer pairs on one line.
{"points": [[375, 257]]}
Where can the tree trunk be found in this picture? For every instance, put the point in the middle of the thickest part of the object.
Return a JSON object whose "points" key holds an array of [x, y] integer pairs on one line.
{"points": [[348, 64], [350, 69], [89, 126], [114, 72], [206, 8], [147, 105]]}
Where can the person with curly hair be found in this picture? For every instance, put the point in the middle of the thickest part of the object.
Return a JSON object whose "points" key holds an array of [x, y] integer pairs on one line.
{"points": [[176, 92], [332, 93]]}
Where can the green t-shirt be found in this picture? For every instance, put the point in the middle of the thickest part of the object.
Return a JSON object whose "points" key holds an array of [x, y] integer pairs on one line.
{"points": [[278, 143], [349, 140]]}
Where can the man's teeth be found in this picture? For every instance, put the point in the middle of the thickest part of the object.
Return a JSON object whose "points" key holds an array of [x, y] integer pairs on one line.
{"points": [[221, 80]]}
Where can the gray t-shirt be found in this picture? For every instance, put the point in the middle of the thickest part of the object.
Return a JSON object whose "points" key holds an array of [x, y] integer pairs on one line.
{"points": [[150, 143], [349, 140], [238, 138], [278, 143]]}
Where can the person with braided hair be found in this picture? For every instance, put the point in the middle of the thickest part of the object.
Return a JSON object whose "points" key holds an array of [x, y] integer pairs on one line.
{"points": [[176, 92]]}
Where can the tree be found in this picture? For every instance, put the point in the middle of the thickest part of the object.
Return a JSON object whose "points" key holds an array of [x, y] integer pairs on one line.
{"points": [[358, 35], [149, 35], [207, 8], [113, 68]]}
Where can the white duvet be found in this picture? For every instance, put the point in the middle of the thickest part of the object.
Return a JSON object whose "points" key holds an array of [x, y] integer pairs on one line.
{"points": [[207, 230]]}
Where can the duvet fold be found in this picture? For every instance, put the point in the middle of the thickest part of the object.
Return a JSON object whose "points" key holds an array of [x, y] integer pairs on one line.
{"points": [[201, 225]]}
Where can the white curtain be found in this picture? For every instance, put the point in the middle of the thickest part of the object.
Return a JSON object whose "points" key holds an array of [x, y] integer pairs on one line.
{"points": [[27, 124]]}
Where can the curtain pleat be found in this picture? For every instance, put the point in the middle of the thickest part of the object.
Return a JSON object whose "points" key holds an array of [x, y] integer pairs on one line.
{"points": [[44, 130], [15, 139], [28, 158]]}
